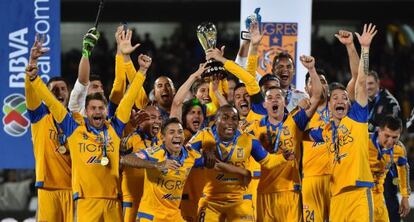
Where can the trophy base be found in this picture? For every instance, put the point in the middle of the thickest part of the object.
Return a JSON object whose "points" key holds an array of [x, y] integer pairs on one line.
{"points": [[215, 70]]}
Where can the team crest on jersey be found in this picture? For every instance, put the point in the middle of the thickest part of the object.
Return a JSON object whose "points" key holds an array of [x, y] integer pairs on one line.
{"points": [[85, 136], [240, 153], [286, 131], [187, 171], [152, 150]]}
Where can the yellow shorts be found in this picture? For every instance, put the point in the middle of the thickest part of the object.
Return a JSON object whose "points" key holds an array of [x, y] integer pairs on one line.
{"points": [[316, 197], [280, 206], [94, 209], [54, 205], [147, 215], [193, 191], [380, 209], [215, 211], [352, 204]]}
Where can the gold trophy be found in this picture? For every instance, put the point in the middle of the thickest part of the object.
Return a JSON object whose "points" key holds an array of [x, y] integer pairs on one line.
{"points": [[207, 36]]}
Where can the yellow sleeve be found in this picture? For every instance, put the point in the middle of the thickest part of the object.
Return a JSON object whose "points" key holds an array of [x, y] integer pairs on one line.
{"points": [[58, 111], [123, 112], [252, 64], [119, 86], [32, 100], [142, 100], [403, 170], [272, 160], [252, 86]]}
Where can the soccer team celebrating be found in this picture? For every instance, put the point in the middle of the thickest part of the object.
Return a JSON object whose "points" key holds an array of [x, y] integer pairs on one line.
{"points": [[233, 149]]}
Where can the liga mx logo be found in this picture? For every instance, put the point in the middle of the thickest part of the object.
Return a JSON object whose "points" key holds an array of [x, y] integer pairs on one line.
{"points": [[277, 37], [14, 122]]}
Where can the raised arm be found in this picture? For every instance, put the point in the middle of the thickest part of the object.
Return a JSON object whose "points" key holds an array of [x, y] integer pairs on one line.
{"points": [[32, 100], [309, 63], [347, 39], [361, 94], [80, 89], [252, 86], [59, 112], [176, 108], [255, 39]]}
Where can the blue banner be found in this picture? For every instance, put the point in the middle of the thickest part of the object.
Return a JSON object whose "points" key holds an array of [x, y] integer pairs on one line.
{"points": [[19, 21]]}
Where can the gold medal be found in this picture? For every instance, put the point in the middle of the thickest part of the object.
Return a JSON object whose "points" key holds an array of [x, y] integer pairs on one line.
{"points": [[395, 181], [62, 149], [104, 161]]}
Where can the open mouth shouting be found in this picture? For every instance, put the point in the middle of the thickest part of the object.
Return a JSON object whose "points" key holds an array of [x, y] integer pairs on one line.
{"points": [[340, 109], [244, 106], [97, 120], [177, 142], [155, 129]]}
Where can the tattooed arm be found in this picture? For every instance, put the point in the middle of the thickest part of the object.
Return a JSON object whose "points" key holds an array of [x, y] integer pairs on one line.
{"points": [[361, 94]]}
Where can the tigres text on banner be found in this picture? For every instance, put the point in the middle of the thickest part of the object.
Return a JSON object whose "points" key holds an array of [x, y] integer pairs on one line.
{"points": [[286, 25], [20, 20]]}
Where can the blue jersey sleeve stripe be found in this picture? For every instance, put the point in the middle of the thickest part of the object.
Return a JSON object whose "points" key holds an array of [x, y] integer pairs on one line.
{"points": [[259, 109], [316, 135], [68, 125], [401, 161], [145, 216], [127, 204], [37, 114], [199, 162], [112, 109], [258, 152], [358, 113], [118, 125], [301, 119], [196, 146]]}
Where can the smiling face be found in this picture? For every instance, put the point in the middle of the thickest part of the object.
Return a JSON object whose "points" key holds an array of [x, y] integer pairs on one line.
{"points": [[284, 68], [202, 93], [60, 91], [153, 125], [387, 138], [173, 137], [96, 112], [242, 101], [194, 119], [227, 121], [164, 91], [274, 102], [339, 103]]}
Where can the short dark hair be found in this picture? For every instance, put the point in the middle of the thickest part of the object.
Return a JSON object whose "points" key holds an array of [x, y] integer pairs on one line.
{"points": [[95, 77], [374, 74], [225, 107], [336, 85], [95, 96], [319, 71], [56, 79], [391, 122], [239, 85], [196, 85], [168, 122], [282, 55], [268, 77], [275, 87]]}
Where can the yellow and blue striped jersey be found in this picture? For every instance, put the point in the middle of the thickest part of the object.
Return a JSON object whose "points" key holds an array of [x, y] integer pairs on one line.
{"points": [[286, 135], [88, 145], [53, 170], [132, 184], [316, 159], [348, 142], [163, 190], [228, 186], [382, 161]]}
